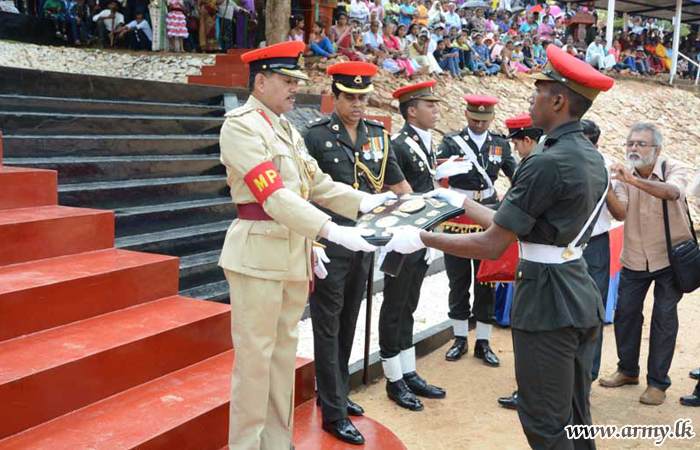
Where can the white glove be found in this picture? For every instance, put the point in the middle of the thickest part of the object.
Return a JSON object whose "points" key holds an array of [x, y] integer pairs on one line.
{"points": [[405, 239], [320, 257], [372, 201], [454, 198], [429, 255], [451, 168], [350, 238]]}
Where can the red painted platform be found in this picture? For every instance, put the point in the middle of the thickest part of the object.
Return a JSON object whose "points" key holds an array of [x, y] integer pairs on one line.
{"points": [[50, 231], [308, 434], [228, 70], [22, 188]]}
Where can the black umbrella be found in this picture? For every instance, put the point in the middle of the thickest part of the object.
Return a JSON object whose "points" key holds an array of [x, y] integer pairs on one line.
{"points": [[476, 4]]}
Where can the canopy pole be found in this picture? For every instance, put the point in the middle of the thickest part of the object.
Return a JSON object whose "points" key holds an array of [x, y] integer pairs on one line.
{"points": [[625, 22], [609, 31], [676, 39]]}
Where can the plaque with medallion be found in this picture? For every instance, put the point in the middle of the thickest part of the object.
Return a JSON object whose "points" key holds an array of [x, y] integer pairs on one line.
{"points": [[408, 209]]}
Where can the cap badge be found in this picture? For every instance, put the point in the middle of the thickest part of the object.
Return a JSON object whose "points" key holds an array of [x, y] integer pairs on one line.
{"points": [[482, 108], [300, 60], [357, 80]]}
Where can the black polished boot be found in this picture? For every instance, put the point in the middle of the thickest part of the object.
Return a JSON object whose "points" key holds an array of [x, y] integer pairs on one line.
{"points": [[459, 348], [482, 350], [420, 387], [354, 409], [399, 392], [344, 431], [509, 402], [695, 374]]}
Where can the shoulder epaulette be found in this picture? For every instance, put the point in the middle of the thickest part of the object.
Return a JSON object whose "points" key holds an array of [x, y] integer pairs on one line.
{"points": [[240, 111], [376, 123], [318, 121], [453, 133]]}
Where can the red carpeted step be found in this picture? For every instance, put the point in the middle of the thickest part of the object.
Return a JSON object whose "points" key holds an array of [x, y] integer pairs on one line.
{"points": [[24, 188], [43, 294], [187, 409], [308, 434], [48, 374], [28, 234]]}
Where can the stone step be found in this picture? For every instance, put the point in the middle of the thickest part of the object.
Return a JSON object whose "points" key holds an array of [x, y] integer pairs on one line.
{"points": [[216, 291], [100, 144], [14, 102], [24, 188], [48, 374], [40, 123], [105, 168], [119, 194], [200, 269], [153, 218], [179, 241]]}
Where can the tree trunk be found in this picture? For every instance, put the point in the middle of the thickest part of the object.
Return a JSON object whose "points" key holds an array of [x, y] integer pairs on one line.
{"points": [[277, 13]]}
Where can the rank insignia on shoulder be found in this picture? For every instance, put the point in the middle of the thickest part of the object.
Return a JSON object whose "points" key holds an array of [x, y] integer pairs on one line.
{"points": [[329, 144], [415, 138], [335, 127]]}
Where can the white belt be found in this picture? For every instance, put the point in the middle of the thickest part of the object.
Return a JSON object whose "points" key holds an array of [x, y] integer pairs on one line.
{"points": [[476, 195], [548, 254]]}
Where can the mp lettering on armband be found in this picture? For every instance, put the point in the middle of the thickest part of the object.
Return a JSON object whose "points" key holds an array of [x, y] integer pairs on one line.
{"points": [[263, 181]]}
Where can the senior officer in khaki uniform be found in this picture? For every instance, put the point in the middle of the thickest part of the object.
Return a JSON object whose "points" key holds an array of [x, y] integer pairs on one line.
{"points": [[267, 252], [357, 152], [416, 157], [484, 155], [557, 194]]}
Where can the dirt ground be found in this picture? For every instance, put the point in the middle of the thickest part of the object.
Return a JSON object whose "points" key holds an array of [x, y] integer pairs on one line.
{"points": [[470, 418]]}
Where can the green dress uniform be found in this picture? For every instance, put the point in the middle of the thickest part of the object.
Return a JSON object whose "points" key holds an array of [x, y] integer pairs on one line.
{"points": [[557, 309], [366, 165], [494, 156]]}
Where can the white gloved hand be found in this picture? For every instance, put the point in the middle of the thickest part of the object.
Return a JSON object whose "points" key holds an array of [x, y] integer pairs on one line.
{"points": [[405, 239], [451, 167], [320, 258], [350, 238], [454, 198], [372, 201], [429, 255]]}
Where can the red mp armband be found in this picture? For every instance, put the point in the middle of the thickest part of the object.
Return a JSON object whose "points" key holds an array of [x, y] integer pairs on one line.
{"points": [[263, 180]]}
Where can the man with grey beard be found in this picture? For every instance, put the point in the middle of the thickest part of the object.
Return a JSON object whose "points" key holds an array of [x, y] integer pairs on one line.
{"points": [[642, 187]]}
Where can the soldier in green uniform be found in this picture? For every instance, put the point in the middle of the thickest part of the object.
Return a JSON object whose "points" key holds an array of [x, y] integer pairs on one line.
{"points": [[484, 155], [416, 158], [556, 196], [357, 152]]}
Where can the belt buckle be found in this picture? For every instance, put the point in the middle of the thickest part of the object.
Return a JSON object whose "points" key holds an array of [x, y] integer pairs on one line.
{"points": [[478, 196]]}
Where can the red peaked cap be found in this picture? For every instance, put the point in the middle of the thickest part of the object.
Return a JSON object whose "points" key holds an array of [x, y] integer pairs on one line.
{"points": [[481, 100], [362, 69], [521, 121], [421, 91], [285, 58], [573, 73]]}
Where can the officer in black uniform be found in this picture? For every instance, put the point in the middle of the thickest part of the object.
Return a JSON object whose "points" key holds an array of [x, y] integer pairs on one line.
{"points": [[556, 196], [485, 154], [357, 152], [416, 158]]}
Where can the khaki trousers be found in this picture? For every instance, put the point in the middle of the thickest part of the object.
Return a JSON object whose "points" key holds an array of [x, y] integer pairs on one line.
{"points": [[264, 318]]}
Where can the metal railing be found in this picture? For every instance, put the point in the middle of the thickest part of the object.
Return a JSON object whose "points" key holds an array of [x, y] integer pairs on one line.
{"points": [[695, 63]]}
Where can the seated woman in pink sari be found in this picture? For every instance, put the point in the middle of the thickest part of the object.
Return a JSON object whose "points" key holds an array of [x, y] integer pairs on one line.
{"points": [[391, 42]]}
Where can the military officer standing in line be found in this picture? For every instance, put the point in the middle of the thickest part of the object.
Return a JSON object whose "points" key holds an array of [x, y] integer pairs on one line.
{"points": [[557, 194], [267, 252], [416, 158], [484, 155], [356, 152]]}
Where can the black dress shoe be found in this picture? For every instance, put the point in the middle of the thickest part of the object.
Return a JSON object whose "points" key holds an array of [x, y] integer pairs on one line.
{"points": [[691, 400], [419, 386], [354, 409], [695, 374], [399, 392], [459, 347], [509, 402], [482, 350], [345, 431]]}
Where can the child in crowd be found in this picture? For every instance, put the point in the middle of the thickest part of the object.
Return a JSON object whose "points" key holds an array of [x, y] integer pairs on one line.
{"points": [[54, 11], [296, 28], [176, 25], [448, 59], [319, 43]]}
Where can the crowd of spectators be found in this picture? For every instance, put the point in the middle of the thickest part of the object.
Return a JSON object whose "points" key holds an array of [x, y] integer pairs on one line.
{"points": [[174, 25], [407, 37]]}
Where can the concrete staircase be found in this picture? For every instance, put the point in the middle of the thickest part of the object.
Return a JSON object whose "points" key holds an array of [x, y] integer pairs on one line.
{"points": [[98, 350], [147, 150]]}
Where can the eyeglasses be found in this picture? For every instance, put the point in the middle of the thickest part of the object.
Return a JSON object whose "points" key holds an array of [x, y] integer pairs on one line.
{"points": [[638, 144]]}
